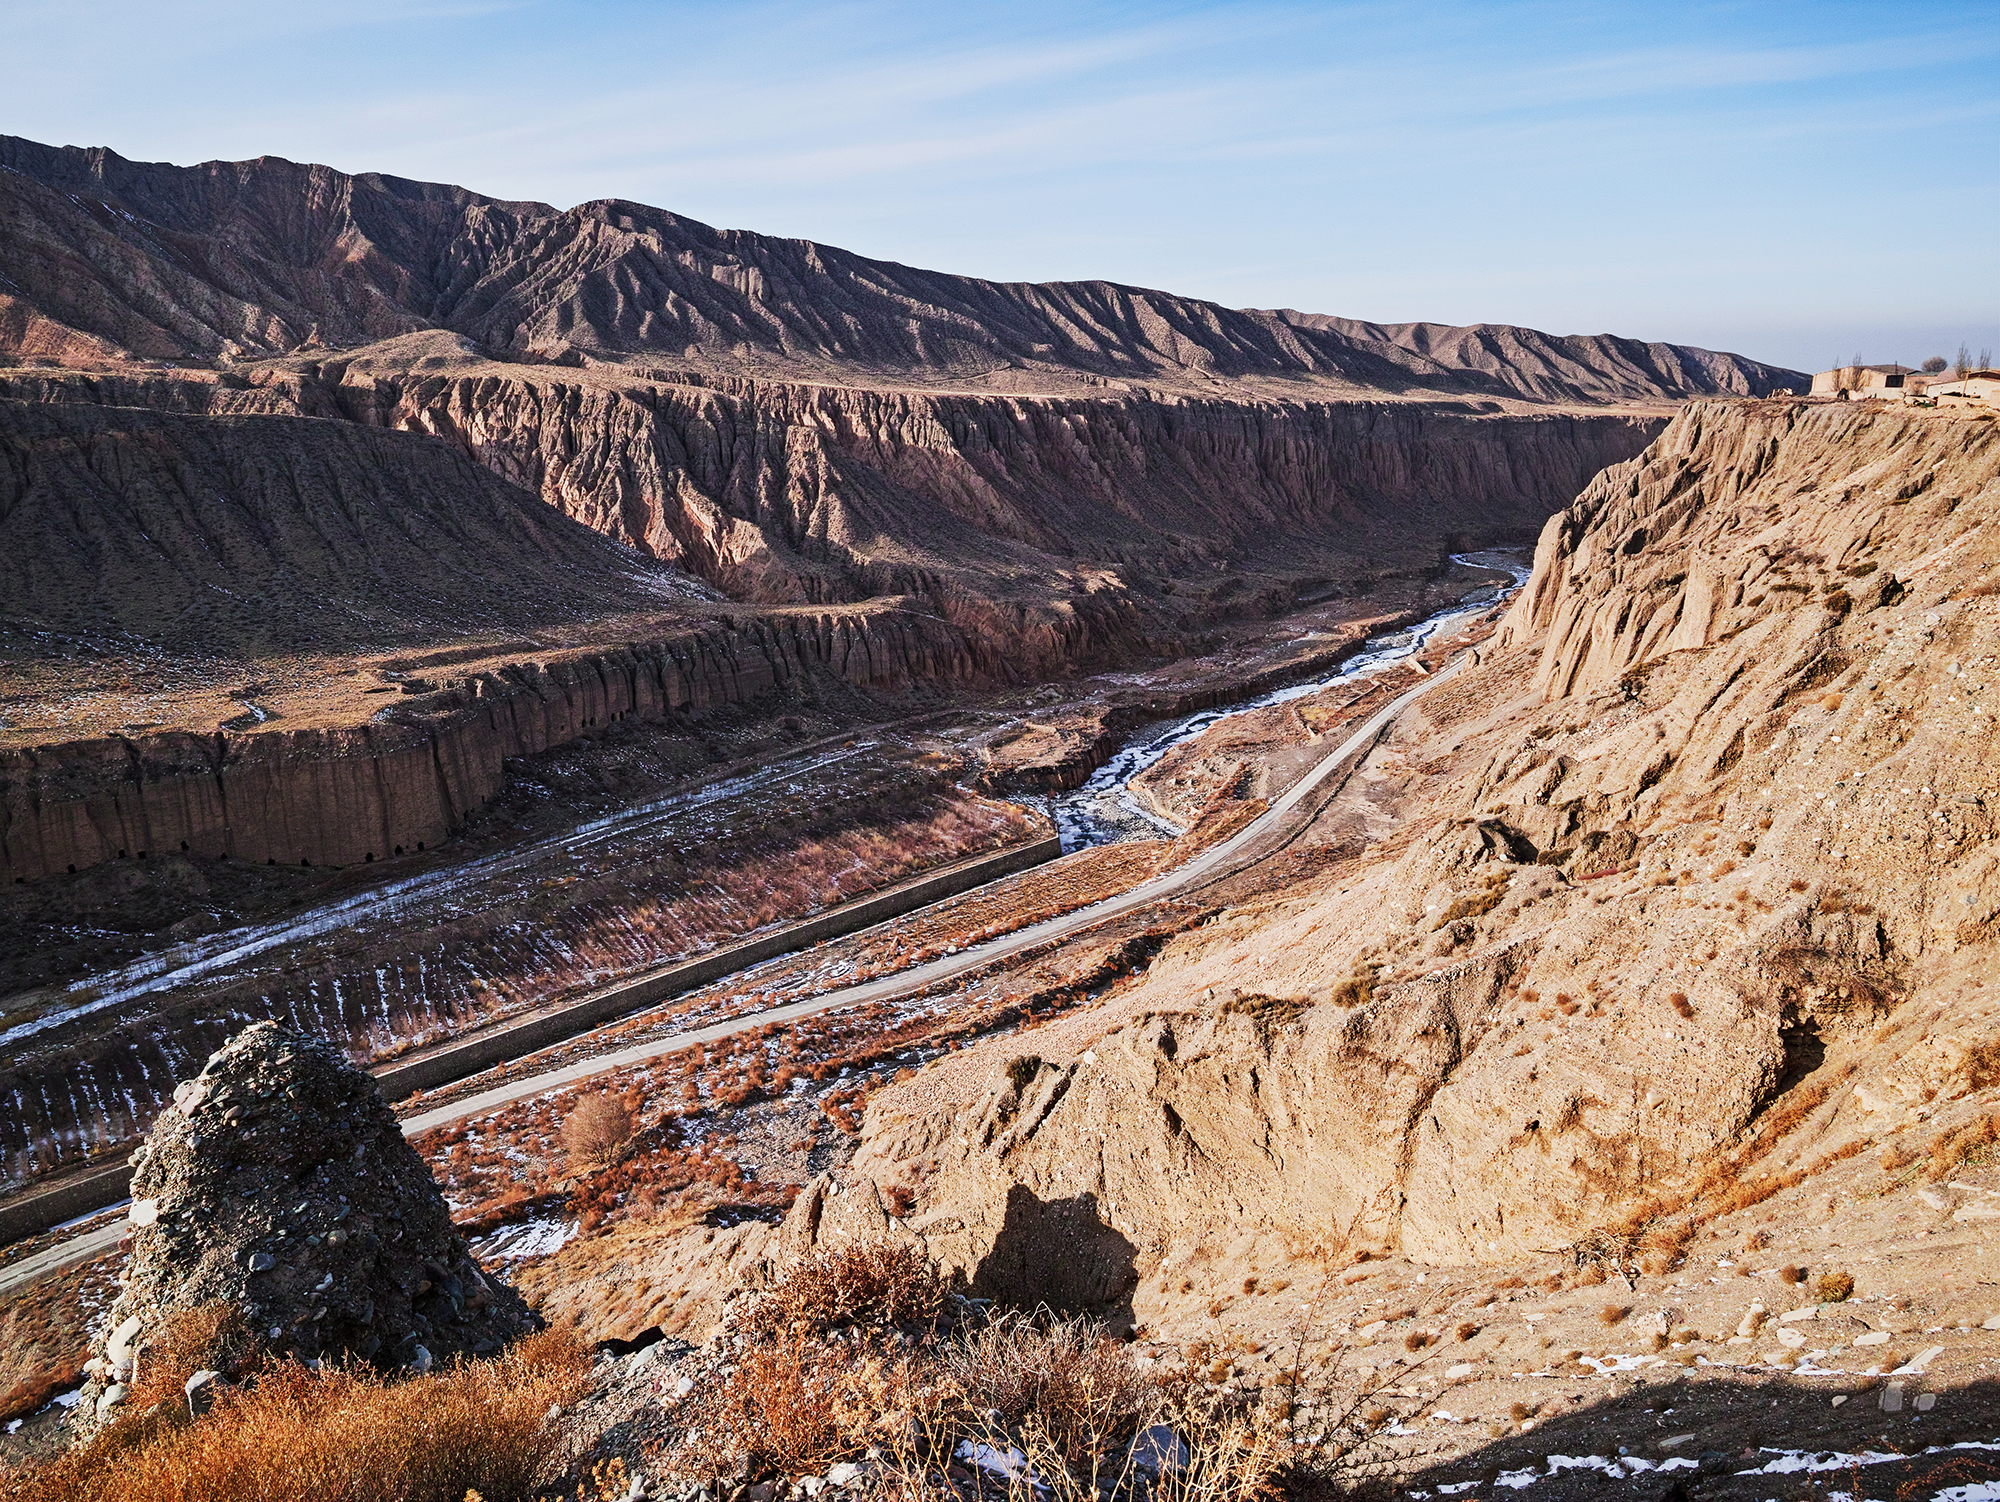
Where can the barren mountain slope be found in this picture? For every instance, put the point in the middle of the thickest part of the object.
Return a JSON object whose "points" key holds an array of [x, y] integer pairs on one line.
{"points": [[264, 257], [1693, 886], [229, 535]]}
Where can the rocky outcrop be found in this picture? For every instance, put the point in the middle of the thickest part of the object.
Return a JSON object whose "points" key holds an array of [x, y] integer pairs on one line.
{"points": [[280, 1184], [1696, 885], [408, 778], [267, 256]]}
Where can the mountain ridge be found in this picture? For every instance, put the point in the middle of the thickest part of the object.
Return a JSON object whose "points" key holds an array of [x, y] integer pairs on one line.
{"points": [[246, 260]]}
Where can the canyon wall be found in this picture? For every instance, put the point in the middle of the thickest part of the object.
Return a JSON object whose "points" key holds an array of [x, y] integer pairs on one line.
{"points": [[1693, 884], [349, 795]]}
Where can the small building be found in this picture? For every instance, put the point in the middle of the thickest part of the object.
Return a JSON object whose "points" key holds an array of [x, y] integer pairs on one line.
{"points": [[1864, 380], [1976, 388]]}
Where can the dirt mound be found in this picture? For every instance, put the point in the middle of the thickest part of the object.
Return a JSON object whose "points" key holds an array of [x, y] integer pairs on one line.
{"points": [[268, 256], [280, 1183]]}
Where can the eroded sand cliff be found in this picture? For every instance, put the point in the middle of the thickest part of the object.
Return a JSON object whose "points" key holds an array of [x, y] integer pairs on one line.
{"points": [[1693, 881]]}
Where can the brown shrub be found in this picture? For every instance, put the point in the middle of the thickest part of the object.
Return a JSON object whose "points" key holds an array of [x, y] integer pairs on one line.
{"points": [[1797, 885], [1788, 1274], [596, 1130], [1834, 1288], [1950, 1149], [1679, 1002], [863, 1283], [336, 1436], [1982, 1064], [789, 1406], [1611, 1314], [1065, 1386], [1466, 1330], [1416, 1340], [1757, 1240]]}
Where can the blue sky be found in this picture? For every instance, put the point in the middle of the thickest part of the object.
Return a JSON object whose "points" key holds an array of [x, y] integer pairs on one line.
{"points": [[1793, 181]]}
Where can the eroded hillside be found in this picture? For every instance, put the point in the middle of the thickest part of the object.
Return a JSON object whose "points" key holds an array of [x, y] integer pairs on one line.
{"points": [[1690, 886]]}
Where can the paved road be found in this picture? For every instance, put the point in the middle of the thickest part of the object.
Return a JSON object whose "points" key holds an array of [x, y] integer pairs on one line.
{"points": [[1181, 878]]}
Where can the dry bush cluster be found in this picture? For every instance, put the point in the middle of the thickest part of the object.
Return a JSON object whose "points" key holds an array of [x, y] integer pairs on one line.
{"points": [[295, 1435], [864, 1349], [597, 1130]]}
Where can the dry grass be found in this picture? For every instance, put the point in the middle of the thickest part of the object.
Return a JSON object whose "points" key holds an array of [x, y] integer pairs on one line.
{"points": [[335, 1436], [1949, 1150], [1834, 1288]]}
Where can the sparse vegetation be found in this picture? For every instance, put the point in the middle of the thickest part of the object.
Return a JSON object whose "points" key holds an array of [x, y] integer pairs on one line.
{"points": [[338, 1435]]}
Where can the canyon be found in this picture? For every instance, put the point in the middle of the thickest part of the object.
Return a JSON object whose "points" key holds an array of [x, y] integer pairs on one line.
{"points": [[421, 609]]}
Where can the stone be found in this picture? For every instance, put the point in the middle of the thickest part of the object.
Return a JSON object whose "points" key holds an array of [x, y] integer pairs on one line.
{"points": [[1791, 1339], [420, 1360], [1892, 1398], [201, 1391], [1793, 1316], [1872, 1338], [144, 1213], [317, 1153], [845, 1474], [1453, 1373], [1991, 1322], [1839, 1398], [1921, 1360], [683, 1386], [1159, 1450], [118, 1349], [1926, 1401], [109, 1399]]}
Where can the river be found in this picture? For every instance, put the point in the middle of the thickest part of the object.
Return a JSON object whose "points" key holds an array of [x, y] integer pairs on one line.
{"points": [[1104, 811]]}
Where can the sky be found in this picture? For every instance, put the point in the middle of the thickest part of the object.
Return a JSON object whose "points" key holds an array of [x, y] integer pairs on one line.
{"points": [[1795, 180]]}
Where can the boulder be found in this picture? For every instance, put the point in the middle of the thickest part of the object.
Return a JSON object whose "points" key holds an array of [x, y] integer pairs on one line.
{"points": [[280, 1182]]}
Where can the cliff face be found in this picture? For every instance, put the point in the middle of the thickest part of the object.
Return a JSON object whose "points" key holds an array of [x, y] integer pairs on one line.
{"points": [[268, 256], [1695, 884], [1011, 537], [790, 492], [349, 794]]}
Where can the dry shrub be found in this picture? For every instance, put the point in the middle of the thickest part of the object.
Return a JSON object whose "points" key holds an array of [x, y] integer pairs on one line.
{"points": [[1757, 1240], [1797, 884], [597, 1129], [336, 1436], [1949, 1150], [1834, 1288], [1519, 1412], [863, 1283], [1065, 1386], [794, 1406], [1416, 1340], [1611, 1314], [1590, 1276], [1790, 1275], [1679, 1002], [1982, 1064], [1659, 1341], [1466, 1330], [209, 1337]]}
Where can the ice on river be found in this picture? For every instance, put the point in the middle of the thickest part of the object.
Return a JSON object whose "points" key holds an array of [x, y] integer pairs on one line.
{"points": [[1103, 811]]}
